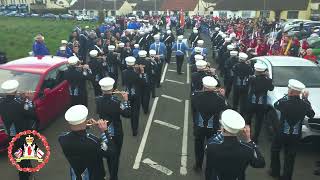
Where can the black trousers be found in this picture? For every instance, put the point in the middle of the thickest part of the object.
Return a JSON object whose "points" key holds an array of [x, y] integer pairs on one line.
{"points": [[96, 88], [135, 114], [153, 87], [179, 62], [81, 99], [240, 95], [145, 98], [114, 159], [259, 110], [228, 86], [201, 135], [159, 72], [289, 143], [24, 163], [168, 56]]}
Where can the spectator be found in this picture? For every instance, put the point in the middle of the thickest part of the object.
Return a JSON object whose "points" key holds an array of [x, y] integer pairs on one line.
{"points": [[39, 48], [310, 56]]}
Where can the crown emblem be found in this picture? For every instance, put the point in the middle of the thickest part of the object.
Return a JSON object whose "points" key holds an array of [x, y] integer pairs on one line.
{"points": [[29, 140]]}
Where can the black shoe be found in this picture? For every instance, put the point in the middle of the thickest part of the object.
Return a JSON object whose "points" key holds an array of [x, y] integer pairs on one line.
{"points": [[135, 133], [197, 169], [317, 172], [270, 173]]}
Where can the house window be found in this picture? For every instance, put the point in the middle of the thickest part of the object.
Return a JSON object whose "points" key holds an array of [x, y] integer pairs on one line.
{"points": [[91, 13], [223, 14], [246, 14], [265, 14], [113, 13], [293, 14], [80, 12]]}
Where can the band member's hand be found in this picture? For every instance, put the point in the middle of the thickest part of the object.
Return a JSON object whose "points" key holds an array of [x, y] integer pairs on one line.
{"points": [[222, 92], [102, 125], [305, 94], [28, 94], [141, 69], [125, 96], [91, 121], [86, 66], [247, 133]]}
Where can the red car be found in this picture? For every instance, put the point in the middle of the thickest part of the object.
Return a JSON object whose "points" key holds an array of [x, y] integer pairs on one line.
{"points": [[44, 76]]}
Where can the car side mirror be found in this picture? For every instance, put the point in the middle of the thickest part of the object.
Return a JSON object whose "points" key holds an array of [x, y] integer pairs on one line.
{"points": [[46, 91]]}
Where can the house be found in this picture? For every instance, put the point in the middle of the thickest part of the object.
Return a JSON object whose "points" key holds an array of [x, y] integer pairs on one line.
{"points": [[272, 9], [187, 6], [37, 4], [92, 7], [146, 7]]}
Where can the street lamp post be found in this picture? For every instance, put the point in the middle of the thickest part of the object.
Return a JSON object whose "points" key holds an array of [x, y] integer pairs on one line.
{"points": [[115, 7], [155, 6]]}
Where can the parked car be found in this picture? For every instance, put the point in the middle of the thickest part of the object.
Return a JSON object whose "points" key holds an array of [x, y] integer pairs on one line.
{"points": [[45, 77], [11, 14], [34, 15], [67, 16], [283, 68], [50, 16], [83, 17], [110, 19]]}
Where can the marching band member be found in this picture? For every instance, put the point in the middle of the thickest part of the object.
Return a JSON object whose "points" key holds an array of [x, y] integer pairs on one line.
{"points": [[160, 48], [168, 40], [154, 65], [181, 49], [96, 67], [228, 72], [206, 108], [84, 151], [111, 108]]}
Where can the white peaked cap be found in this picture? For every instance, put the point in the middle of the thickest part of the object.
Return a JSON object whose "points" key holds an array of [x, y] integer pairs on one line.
{"points": [[217, 29], [156, 37], [195, 31], [195, 28], [141, 32], [10, 86], [142, 53], [223, 36], [111, 47], [243, 56], [232, 121], [180, 37], [62, 48], [198, 57], [130, 60], [209, 82], [167, 27], [73, 60], [93, 53], [76, 115], [152, 52], [121, 44], [106, 83], [233, 53], [168, 31], [201, 64], [227, 39], [200, 41], [230, 47], [260, 67], [296, 85], [197, 49], [136, 45], [64, 42]]}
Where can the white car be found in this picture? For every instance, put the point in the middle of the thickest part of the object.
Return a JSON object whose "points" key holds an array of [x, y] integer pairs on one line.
{"points": [[83, 17], [283, 68]]}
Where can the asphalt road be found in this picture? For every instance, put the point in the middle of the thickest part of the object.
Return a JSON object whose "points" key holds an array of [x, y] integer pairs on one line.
{"points": [[163, 149]]}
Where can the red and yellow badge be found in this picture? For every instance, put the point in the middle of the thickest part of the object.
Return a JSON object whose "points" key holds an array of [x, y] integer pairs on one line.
{"points": [[23, 147]]}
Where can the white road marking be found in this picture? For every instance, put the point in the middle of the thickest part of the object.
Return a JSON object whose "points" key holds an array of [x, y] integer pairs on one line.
{"points": [[172, 98], [167, 124], [173, 70], [164, 72], [158, 167], [174, 81], [184, 150], [145, 135], [188, 72]]}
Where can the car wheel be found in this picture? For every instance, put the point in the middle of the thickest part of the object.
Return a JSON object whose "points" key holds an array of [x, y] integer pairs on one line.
{"points": [[273, 123]]}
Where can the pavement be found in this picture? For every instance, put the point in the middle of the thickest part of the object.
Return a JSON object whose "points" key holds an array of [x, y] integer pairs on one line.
{"points": [[164, 147]]}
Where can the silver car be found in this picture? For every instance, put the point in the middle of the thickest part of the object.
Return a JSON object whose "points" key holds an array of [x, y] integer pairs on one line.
{"points": [[283, 68]]}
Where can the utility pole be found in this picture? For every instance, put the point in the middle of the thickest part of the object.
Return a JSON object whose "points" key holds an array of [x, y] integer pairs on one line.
{"points": [[264, 9], [115, 7], [155, 6]]}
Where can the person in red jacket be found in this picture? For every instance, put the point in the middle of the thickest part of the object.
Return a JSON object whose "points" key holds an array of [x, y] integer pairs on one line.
{"points": [[310, 56]]}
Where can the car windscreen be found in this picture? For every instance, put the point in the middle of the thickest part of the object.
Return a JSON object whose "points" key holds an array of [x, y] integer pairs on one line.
{"points": [[309, 75], [27, 81]]}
